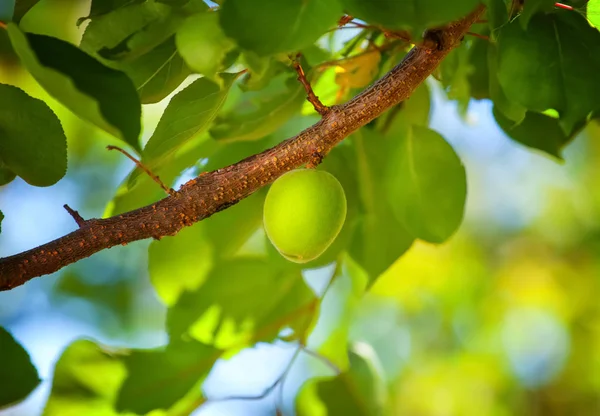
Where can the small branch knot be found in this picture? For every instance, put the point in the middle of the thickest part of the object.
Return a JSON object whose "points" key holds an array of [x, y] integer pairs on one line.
{"points": [[435, 39], [315, 159]]}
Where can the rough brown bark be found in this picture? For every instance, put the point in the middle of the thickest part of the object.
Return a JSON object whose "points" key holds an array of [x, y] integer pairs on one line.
{"points": [[214, 191]]}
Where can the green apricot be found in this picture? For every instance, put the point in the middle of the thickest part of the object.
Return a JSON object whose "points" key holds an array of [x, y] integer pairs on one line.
{"points": [[304, 212]]}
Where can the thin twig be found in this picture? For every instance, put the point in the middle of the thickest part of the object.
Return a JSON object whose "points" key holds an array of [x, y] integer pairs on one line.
{"points": [[269, 389], [323, 359], [563, 6], [310, 94], [155, 178], [477, 35], [78, 218]]}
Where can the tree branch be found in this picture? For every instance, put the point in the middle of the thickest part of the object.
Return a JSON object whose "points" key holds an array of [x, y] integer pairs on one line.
{"points": [[215, 191]]}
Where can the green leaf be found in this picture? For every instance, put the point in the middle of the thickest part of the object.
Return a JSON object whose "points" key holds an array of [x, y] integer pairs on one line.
{"points": [[531, 7], [86, 381], [593, 13], [7, 10], [537, 131], [21, 8], [230, 229], [497, 13], [180, 262], [413, 15], [188, 114], [132, 31], [15, 366], [89, 89], [358, 391], [243, 300], [157, 379], [278, 26], [330, 335], [479, 74], [261, 70], [202, 43], [260, 113], [157, 73], [512, 110], [119, 23], [6, 175], [100, 7], [455, 70], [427, 185], [552, 65], [379, 237], [415, 110], [32, 142], [191, 253]]}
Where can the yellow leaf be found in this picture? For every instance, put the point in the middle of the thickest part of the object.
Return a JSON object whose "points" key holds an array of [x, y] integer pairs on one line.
{"points": [[358, 71]]}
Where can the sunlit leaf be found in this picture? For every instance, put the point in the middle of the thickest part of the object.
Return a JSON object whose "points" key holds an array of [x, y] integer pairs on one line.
{"points": [[358, 391], [359, 71], [427, 185], [243, 300], [202, 43], [86, 381], [455, 70], [180, 262], [278, 26], [157, 73], [157, 379], [156, 69], [32, 142], [89, 89], [15, 366], [414, 15], [260, 113], [593, 13], [188, 114], [261, 70], [135, 29], [230, 229], [552, 65], [117, 23], [21, 7], [510, 109]]}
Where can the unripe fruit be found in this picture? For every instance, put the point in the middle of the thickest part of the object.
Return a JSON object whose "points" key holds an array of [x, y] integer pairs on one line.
{"points": [[304, 212]]}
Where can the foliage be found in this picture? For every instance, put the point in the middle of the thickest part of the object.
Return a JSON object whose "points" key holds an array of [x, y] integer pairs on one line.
{"points": [[225, 91]]}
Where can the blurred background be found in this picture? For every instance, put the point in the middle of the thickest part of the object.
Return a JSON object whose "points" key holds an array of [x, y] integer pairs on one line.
{"points": [[504, 319]]}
